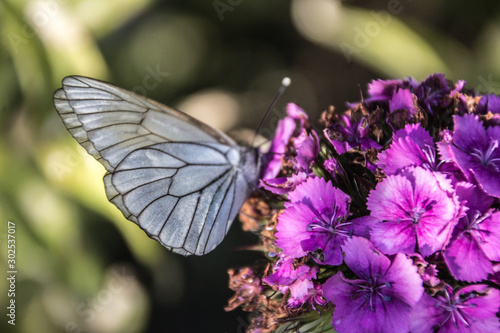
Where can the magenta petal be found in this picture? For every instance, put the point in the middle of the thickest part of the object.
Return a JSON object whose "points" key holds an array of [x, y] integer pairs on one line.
{"points": [[338, 290], [360, 256], [445, 145], [340, 146], [362, 226], [383, 89], [322, 194], [491, 226], [278, 186], [412, 146], [489, 175], [292, 225], [272, 160], [403, 99], [286, 273], [296, 112], [458, 87], [466, 261], [495, 277], [349, 134], [417, 134], [425, 315], [308, 152], [330, 245], [432, 91], [387, 204], [303, 283], [283, 185], [406, 283], [484, 306], [474, 197]]}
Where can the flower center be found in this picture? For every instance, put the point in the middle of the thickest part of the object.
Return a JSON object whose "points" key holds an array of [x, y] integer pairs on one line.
{"points": [[416, 213], [370, 290], [455, 310], [485, 158], [334, 225], [430, 157], [473, 224]]}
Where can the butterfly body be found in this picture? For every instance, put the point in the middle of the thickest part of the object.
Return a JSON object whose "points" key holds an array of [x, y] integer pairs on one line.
{"points": [[180, 180]]}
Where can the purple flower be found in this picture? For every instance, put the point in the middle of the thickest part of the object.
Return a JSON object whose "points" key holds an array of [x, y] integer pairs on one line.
{"points": [[291, 136], [289, 276], [470, 310], [382, 297], [334, 168], [349, 134], [381, 91], [291, 129], [283, 185], [489, 103], [462, 103], [476, 239], [315, 220], [307, 153], [306, 157], [412, 212], [313, 297], [272, 160], [428, 272], [247, 286], [411, 146], [403, 99], [476, 151], [432, 92], [296, 112], [458, 87], [302, 119]]}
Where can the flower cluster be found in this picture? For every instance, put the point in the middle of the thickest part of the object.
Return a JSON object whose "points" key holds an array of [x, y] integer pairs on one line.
{"points": [[388, 220]]}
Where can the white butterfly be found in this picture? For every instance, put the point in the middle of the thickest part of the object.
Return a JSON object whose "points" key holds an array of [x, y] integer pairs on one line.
{"points": [[180, 180]]}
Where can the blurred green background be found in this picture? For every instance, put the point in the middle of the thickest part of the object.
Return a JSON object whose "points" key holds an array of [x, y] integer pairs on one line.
{"points": [[81, 266]]}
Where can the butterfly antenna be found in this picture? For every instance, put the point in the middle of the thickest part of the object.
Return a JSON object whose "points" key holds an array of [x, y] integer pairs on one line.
{"points": [[284, 84]]}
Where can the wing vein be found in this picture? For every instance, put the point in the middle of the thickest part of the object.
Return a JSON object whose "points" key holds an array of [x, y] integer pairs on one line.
{"points": [[103, 90], [206, 216], [217, 215], [204, 187]]}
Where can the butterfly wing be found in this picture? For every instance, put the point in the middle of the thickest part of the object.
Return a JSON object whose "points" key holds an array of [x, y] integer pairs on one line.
{"points": [[110, 122], [180, 180]]}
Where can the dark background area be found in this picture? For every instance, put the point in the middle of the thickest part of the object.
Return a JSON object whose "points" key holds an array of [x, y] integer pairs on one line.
{"points": [[81, 266]]}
